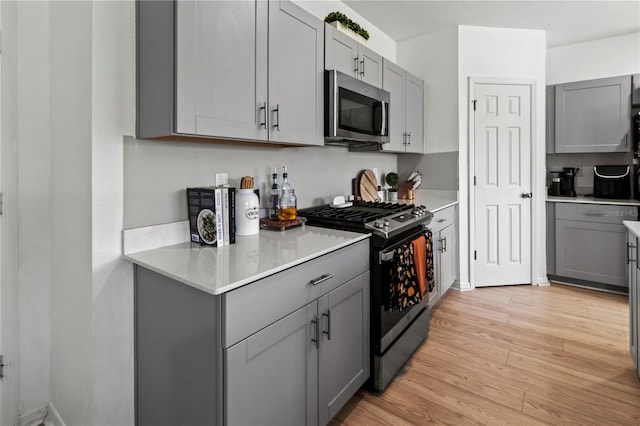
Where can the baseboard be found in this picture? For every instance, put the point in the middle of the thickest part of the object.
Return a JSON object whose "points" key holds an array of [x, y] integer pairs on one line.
{"points": [[34, 416], [53, 417], [543, 281], [463, 285]]}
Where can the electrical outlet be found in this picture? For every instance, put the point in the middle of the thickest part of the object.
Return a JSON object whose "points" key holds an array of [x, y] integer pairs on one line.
{"points": [[579, 172], [222, 179]]}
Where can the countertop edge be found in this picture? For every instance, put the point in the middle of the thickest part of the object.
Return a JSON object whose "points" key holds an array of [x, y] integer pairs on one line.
{"points": [[633, 226], [248, 280], [445, 206]]}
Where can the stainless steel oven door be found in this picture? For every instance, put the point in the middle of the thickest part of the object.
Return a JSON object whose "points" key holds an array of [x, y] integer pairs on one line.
{"points": [[393, 323]]}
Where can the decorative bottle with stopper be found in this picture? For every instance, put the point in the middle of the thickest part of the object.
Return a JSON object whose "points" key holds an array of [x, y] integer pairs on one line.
{"points": [[288, 201], [274, 198]]}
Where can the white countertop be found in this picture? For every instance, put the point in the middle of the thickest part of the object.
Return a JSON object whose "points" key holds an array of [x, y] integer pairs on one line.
{"points": [[434, 199], [581, 199], [217, 270], [633, 226]]}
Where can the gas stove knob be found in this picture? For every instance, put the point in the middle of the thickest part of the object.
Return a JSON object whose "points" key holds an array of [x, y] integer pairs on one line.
{"points": [[386, 222], [378, 224]]}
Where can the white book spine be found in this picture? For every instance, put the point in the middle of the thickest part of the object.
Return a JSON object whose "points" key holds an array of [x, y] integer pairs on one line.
{"points": [[219, 217], [225, 215]]}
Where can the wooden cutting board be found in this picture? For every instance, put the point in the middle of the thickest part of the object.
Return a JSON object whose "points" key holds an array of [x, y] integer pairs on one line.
{"points": [[368, 186]]}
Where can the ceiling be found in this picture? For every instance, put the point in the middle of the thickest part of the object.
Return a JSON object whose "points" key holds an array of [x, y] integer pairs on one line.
{"points": [[566, 22]]}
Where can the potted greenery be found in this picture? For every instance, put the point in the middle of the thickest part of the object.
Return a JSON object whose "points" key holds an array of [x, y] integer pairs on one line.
{"points": [[392, 180], [338, 19]]}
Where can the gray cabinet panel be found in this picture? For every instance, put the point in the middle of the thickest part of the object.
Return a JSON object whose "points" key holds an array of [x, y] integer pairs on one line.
{"points": [[393, 82], [551, 119], [551, 238], [591, 251], [593, 116], [406, 130], [600, 213], [344, 345], [634, 277], [177, 353], [220, 49], [272, 376], [447, 271], [445, 256], [346, 55], [296, 82], [635, 94], [414, 118]]}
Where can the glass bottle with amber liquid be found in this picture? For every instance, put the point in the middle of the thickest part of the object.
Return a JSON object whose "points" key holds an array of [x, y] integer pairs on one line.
{"points": [[288, 200]]}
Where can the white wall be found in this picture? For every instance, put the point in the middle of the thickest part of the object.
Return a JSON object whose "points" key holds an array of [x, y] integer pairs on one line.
{"points": [[378, 41], [34, 205], [71, 272], [503, 53], [607, 57], [112, 117], [434, 58]]}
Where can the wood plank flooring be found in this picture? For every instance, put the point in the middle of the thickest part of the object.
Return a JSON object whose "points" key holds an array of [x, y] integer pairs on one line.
{"points": [[516, 355]]}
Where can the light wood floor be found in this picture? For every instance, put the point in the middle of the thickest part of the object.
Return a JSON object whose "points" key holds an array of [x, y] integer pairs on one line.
{"points": [[518, 355]]}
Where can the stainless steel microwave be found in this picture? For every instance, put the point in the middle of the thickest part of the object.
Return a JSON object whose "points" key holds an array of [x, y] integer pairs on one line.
{"points": [[356, 113]]}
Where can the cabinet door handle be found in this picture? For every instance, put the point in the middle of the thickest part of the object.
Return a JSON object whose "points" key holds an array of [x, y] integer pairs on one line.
{"points": [[409, 138], [444, 249], [362, 63], [594, 214], [316, 340], [328, 331], [629, 259], [404, 138], [441, 220], [321, 279], [441, 248], [263, 109], [276, 117], [355, 64]]}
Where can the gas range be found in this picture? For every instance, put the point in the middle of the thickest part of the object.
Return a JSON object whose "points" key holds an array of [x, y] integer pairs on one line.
{"points": [[384, 220]]}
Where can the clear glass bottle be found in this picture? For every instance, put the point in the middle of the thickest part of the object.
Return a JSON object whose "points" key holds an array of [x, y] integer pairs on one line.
{"points": [[274, 198], [288, 200]]}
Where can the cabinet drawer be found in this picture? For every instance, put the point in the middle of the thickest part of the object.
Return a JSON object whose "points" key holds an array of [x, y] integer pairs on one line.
{"points": [[442, 219], [255, 306], [596, 212]]}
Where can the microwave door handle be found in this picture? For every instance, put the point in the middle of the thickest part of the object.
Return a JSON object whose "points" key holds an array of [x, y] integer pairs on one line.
{"points": [[383, 125]]}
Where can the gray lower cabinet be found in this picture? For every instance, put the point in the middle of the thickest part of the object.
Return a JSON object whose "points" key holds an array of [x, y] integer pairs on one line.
{"points": [[593, 115], [551, 237], [634, 298], [303, 368], [443, 227], [288, 349], [590, 242]]}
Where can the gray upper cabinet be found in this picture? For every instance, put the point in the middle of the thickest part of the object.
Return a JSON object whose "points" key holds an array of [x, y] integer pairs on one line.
{"points": [[248, 70], [346, 55], [635, 94], [550, 125], [406, 130], [593, 116]]}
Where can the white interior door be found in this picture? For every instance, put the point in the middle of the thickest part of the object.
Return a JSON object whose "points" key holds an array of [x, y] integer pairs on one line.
{"points": [[502, 170]]}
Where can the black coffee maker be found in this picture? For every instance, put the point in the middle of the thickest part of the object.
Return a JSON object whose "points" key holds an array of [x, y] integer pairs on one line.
{"points": [[563, 182]]}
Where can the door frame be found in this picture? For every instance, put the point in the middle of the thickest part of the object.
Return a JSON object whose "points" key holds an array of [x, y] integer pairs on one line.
{"points": [[471, 168]]}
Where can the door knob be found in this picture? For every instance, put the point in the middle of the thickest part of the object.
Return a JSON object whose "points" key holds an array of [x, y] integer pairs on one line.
{"points": [[526, 195]]}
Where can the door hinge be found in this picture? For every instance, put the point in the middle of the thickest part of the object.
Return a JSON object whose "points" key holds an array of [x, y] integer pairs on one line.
{"points": [[475, 181], [474, 104], [475, 255], [1, 366]]}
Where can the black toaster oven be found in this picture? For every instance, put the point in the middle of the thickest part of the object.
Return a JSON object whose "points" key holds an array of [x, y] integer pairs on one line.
{"points": [[612, 182]]}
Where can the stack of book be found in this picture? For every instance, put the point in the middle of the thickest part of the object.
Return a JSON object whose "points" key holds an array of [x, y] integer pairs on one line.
{"points": [[212, 212]]}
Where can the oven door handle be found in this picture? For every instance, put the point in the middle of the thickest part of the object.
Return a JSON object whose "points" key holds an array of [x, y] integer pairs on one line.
{"points": [[386, 256]]}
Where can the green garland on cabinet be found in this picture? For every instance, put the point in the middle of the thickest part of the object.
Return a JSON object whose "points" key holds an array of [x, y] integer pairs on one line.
{"points": [[347, 22]]}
